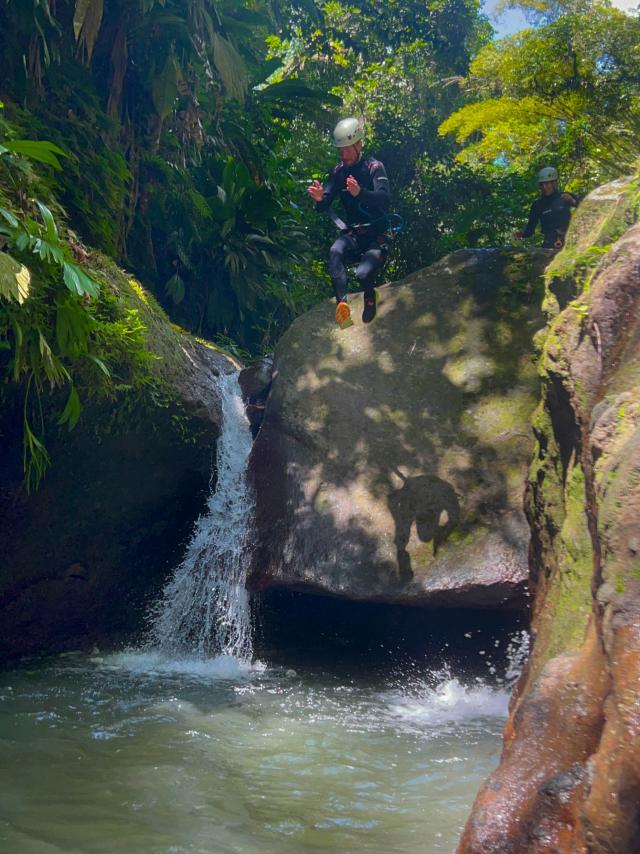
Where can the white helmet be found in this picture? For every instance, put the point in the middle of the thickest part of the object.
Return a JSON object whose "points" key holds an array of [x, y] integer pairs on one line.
{"points": [[547, 174], [347, 132]]}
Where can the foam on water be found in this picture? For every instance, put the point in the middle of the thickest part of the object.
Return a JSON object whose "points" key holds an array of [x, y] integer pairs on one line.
{"points": [[155, 663], [440, 699], [448, 702]]}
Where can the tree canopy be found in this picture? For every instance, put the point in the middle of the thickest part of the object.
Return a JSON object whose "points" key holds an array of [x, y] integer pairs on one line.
{"points": [[567, 92]]}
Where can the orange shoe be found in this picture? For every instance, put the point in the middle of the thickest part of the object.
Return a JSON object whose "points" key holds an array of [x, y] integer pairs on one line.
{"points": [[343, 315]]}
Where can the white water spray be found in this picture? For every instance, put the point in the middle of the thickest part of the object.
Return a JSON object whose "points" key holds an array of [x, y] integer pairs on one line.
{"points": [[204, 608]]}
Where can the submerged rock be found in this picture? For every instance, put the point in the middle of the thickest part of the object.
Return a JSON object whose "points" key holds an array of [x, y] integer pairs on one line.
{"points": [[569, 776], [391, 461]]}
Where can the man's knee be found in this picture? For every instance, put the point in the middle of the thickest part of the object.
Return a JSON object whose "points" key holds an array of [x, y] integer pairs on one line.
{"points": [[337, 250], [368, 268]]}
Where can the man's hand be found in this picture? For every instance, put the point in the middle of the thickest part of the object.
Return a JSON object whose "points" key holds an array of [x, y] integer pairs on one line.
{"points": [[518, 235], [352, 186], [568, 197], [315, 191]]}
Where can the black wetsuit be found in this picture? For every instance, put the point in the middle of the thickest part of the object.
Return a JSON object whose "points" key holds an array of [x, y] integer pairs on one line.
{"points": [[554, 214], [363, 243]]}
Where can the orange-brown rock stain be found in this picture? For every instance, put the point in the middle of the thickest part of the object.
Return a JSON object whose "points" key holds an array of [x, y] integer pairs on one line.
{"points": [[611, 813], [532, 801]]}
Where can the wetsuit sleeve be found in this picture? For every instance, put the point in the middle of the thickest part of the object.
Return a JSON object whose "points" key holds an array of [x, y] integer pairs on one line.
{"points": [[330, 190], [534, 217], [377, 199]]}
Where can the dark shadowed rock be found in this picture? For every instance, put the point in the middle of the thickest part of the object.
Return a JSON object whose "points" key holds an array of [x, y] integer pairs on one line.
{"points": [[391, 460], [256, 379], [255, 415]]}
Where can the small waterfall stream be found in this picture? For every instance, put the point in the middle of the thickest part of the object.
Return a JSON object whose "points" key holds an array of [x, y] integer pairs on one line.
{"points": [[204, 608]]}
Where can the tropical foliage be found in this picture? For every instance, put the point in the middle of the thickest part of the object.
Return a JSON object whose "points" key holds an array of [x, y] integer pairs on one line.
{"points": [[150, 99], [178, 136], [56, 337], [567, 92]]}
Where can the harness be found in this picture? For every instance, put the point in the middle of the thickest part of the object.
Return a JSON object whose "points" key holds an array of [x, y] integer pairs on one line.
{"points": [[394, 224], [555, 239]]}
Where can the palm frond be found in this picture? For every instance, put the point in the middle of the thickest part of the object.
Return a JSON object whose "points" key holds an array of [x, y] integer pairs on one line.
{"points": [[231, 68], [87, 19]]}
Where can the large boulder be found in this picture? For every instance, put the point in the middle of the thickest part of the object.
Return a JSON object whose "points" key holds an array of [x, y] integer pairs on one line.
{"points": [[80, 557], [391, 461], [569, 776]]}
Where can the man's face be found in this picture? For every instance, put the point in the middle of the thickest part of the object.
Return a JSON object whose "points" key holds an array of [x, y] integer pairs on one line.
{"points": [[350, 154], [547, 187]]}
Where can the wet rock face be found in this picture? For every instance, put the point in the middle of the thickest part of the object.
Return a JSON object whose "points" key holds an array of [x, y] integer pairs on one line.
{"points": [[531, 803], [391, 459], [82, 555], [255, 383], [569, 778]]}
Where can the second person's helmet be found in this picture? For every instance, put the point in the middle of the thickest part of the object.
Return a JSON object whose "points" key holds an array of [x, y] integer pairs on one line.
{"points": [[547, 174]]}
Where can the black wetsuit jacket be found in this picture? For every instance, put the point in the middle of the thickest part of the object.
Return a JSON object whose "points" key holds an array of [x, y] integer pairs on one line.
{"points": [[554, 214], [371, 203]]}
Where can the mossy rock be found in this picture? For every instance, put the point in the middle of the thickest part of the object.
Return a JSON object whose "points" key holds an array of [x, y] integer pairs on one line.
{"points": [[81, 556], [602, 217]]}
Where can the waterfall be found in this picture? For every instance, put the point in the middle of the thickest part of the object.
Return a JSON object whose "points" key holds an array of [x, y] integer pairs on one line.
{"points": [[204, 607]]}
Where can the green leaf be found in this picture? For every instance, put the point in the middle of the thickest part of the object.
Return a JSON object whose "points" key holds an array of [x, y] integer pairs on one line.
{"points": [[296, 95], [105, 370], [231, 67], [51, 229], [200, 203], [17, 331], [23, 241], [260, 238], [87, 19], [71, 278], [72, 410], [89, 286], [164, 88], [48, 251], [42, 151], [53, 368], [35, 458], [15, 279], [10, 218], [175, 288], [78, 282], [73, 326]]}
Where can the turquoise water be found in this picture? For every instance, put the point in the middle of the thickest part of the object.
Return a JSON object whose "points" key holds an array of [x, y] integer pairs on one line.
{"points": [[137, 753]]}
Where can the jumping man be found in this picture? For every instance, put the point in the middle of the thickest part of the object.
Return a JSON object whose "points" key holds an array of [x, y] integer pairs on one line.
{"points": [[363, 188]]}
